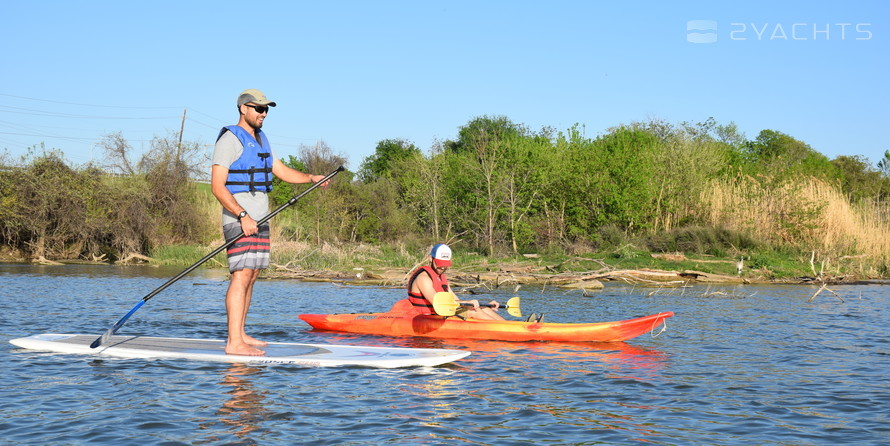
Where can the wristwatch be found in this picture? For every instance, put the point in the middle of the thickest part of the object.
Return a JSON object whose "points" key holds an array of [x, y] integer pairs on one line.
{"points": [[241, 215]]}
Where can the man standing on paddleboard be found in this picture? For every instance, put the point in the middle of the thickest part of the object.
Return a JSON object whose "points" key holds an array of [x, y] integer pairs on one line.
{"points": [[241, 178], [428, 280]]}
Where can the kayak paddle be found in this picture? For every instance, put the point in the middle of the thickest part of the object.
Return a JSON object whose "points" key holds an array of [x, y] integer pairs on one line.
{"points": [[444, 305], [107, 335]]}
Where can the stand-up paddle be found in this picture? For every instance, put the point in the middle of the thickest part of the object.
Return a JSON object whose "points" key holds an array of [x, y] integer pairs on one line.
{"points": [[444, 305], [111, 331]]}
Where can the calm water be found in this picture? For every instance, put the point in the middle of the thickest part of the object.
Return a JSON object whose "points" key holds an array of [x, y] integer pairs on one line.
{"points": [[758, 365]]}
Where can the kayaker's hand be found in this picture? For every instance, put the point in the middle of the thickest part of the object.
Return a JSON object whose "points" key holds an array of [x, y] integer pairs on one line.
{"points": [[474, 302], [494, 305]]}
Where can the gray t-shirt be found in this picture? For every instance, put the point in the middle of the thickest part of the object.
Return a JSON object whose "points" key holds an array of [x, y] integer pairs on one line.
{"points": [[227, 150]]}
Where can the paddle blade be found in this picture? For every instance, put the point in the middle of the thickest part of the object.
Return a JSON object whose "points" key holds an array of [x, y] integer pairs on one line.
{"points": [[513, 307], [103, 339], [111, 331], [444, 304]]}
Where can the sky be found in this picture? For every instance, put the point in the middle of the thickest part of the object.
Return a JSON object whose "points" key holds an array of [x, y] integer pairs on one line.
{"points": [[353, 73]]}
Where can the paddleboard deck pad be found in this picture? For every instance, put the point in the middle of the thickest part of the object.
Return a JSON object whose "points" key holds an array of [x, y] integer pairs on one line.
{"points": [[310, 355]]}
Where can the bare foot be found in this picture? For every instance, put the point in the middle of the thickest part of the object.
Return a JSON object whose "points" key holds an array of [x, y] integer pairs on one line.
{"points": [[243, 349], [250, 340]]}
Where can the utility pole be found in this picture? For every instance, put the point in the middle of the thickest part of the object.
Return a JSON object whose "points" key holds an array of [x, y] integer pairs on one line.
{"points": [[181, 129]]}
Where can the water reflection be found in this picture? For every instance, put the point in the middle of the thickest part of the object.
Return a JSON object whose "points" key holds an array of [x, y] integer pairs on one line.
{"points": [[105, 271], [244, 410], [619, 359], [433, 399], [538, 383]]}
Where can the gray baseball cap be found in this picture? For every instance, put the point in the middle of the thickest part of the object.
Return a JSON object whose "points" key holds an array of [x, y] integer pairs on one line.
{"points": [[255, 96]]}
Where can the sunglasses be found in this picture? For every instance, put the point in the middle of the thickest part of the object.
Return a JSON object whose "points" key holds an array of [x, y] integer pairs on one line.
{"points": [[259, 108]]}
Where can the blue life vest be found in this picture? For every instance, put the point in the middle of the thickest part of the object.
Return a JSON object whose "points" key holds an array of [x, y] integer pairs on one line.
{"points": [[253, 170]]}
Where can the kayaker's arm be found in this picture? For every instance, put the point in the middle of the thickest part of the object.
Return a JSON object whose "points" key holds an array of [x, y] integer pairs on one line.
{"points": [[424, 285], [445, 304]]}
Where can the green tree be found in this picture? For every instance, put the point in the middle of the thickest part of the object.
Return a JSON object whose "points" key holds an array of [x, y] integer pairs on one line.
{"points": [[629, 189], [574, 196], [780, 157], [884, 164], [325, 213], [730, 135], [377, 217], [319, 216], [859, 180], [386, 156], [501, 126], [170, 168], [526, 180], [685, 160], [420, 181], [54, 210], [479, 178], [281, 191]]}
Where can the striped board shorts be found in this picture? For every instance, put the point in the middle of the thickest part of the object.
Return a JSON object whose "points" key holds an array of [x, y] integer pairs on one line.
{"points": [[248, 252]]}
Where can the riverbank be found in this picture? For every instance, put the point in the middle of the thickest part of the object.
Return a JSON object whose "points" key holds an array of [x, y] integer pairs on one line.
{"points": [[364, 265], [387, 267], [473, 279]]}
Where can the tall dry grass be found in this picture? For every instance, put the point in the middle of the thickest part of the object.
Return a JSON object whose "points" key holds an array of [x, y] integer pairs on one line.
{"points": [[807, 214], [297, 251]]}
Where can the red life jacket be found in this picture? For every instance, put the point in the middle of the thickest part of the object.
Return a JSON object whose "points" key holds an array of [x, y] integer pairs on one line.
{"points": [[421, 304]]}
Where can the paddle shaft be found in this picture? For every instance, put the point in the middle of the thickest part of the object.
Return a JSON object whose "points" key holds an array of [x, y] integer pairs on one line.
{"points": [[216, 251], [512, 309], [467, 304], [445, 305]]}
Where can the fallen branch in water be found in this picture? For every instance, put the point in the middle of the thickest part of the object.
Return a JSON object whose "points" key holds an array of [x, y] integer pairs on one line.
{"points": [[559, 265], [724, 294], [133, 257], [825, 287], [44, 261]]}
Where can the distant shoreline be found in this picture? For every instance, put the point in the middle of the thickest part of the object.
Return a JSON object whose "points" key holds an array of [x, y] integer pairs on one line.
{"points": [[472, 278]]}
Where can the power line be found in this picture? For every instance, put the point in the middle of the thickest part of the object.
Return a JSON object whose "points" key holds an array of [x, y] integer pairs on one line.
{"points": [[71, 138], [190, 119], [205, 114], [85, 105], [15, 130], [33, 112]]}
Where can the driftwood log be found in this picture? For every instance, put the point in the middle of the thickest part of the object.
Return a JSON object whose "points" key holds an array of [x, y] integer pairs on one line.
{"points": [[44, 261], [134, 258]]}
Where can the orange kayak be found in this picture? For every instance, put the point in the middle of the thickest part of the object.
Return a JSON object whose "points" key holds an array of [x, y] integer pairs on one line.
{"points": [[399, 321]]}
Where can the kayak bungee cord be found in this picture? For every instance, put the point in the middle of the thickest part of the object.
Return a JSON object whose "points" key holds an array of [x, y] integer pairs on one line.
{"points": [[655, 323]]}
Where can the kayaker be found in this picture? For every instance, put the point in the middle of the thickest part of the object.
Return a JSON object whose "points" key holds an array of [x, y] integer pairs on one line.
{"points": [[430, 279], [241, 177]]}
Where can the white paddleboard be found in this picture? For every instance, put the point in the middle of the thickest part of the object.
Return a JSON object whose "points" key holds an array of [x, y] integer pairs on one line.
{"points": [[310, 355]]}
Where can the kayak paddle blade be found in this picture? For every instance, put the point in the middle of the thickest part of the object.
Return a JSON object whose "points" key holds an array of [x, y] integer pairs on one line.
{"points": [[444, 304], [513, 307]]}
